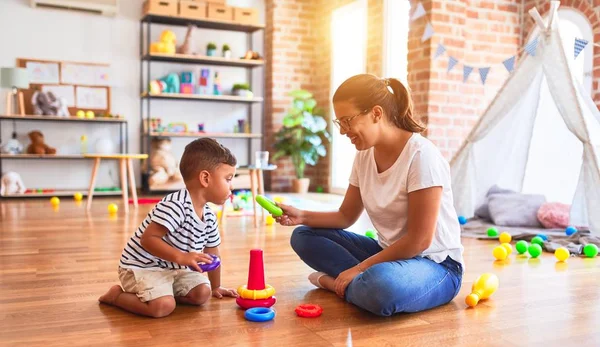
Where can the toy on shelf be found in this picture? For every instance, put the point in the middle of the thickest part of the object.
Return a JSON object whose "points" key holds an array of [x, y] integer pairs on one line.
{"points": [[200, 127], [163, 165], [47, 104], [251, 55], [155, 125], [203, 82], [483, 287], [12, 183], [256, 293], [177, 127], [217, 84], [167, 84], [211, 49], [84, 144], [166, 43], [186, 82], [226, 51], [12, 146], [38, 146], [188, 44]]}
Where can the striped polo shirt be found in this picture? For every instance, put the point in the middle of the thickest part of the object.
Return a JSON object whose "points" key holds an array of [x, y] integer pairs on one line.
{"points": [[185, 232]]}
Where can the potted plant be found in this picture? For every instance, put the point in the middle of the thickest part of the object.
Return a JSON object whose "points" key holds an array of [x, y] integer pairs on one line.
{"points": [[211, 49], [302, 137], [242, 89], [226, 51]]}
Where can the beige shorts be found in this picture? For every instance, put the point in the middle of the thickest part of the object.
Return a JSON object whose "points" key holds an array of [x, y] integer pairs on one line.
{"points": [[151, 284]]}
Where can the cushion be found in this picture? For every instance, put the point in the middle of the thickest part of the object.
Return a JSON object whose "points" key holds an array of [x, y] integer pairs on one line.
{"points": [[554, 215], [518, 210], [483, 210]]}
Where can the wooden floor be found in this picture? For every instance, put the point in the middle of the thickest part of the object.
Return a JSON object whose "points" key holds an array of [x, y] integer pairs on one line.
{"points": [[55, 264]]}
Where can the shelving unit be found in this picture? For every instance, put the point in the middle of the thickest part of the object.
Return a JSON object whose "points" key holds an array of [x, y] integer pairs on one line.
{"points": [[146, 99], [123, 129]]}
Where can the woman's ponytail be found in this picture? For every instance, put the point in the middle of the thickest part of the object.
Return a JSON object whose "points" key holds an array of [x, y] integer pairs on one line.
{"points": [[403, 118]]}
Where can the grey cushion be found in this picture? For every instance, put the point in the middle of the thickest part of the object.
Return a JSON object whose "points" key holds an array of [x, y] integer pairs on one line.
{"points": [[483, 210], [515, 209]]}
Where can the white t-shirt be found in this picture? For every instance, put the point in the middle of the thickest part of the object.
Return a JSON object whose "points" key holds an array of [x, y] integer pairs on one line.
{"points": [[385, 195]]}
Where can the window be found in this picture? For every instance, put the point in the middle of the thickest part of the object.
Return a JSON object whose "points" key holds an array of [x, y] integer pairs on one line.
{"points": [[395, 36]]}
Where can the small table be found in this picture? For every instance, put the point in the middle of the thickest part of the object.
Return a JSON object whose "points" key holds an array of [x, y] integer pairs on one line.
{"points": [[125, 165]]}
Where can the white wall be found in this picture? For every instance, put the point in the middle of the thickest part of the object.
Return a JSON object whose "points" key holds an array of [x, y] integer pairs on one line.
{"points": [[63, 35]]}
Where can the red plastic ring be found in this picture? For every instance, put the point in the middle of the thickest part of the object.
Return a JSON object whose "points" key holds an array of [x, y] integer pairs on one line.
{"points": [[309, 310]]}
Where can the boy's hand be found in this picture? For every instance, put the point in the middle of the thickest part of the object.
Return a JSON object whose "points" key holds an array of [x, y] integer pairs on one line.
{"points": [[220, 292], [192, 259], [291, 215]]}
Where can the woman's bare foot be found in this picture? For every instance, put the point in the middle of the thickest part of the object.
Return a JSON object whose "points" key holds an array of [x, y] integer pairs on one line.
{"points": [[322, 280], [111, 296]]}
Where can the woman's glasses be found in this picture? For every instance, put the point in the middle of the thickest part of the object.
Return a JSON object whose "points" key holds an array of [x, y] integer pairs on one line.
{"points": [[344, 123]]}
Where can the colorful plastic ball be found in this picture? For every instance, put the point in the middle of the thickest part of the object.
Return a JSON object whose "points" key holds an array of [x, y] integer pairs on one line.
{"points": [[562, 254], [113, 208], [543, 236], [508, 248], [570, 231], [535, 250], [90, 114], [78, 196], [505, 237], [521, 246], [80, 114], [491, 232], [590, 250], [537, 240], [462, 220], [270, 220], [371, 233], [500, 253], [54, 201]]}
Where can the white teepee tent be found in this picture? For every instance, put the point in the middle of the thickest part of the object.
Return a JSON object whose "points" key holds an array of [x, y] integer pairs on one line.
{"points": [[540, 107]]}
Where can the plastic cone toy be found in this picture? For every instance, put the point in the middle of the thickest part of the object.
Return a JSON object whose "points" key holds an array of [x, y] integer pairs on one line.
{"points": [[256, 293], [483, 287]]}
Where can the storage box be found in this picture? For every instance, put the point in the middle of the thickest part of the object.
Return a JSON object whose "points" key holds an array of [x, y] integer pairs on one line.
{"points": [[192, 9], [220, 2], [245, 15], [220, 12], [161, 7]]}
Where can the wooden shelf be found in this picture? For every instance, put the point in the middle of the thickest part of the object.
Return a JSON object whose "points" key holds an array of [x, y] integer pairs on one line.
{"points": [[64, 119], [201, 23], [83, 191], [201, 59], [211, 135], [41, 156], [201, 97]]}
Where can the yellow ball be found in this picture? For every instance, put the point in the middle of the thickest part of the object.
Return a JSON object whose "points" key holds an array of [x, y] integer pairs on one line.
{"points": [[508, 247], [78, 196], [113, 208], [80, 114], [90, 114], [500, 253], [562, 254], [505, 237], [270, 220], [278, 199], [55, 201]]}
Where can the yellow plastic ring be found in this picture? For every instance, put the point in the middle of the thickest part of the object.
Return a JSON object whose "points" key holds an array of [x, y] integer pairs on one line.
{"points": [[256, 294]]}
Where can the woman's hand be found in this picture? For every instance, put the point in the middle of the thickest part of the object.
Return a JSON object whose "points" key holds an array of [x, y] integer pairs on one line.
{"points": [[344, 279], [291, 215]]}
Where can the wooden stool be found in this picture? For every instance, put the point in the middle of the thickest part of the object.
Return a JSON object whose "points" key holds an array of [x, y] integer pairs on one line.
{"points": [[125, 165]]}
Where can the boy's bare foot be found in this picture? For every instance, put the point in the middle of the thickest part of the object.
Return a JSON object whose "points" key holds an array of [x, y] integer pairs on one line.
{"points": [[112, 295]]}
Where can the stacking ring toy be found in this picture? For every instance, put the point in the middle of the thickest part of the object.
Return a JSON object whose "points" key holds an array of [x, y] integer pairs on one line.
{"points": [[259, 314], [309, 310], [256, 294], [249, 303], [269, 205], [209, 267]]}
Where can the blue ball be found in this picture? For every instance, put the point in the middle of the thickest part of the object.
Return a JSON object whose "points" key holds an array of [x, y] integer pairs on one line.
{"points": [[462, 220], [570, 231], [543, 236]]}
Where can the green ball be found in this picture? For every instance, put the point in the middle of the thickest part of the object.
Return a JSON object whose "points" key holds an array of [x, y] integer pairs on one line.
{"points": [[537, 240], [320, 189], [590, 250], [491, 232], [521, 246], [535, 250], [371, 233]]}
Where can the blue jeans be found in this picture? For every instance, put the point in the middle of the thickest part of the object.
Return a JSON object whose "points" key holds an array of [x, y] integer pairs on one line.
{"points": [[384, 289]]}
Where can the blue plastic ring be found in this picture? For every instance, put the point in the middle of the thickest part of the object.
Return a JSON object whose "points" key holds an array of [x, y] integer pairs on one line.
{"points": [[259, 314]]}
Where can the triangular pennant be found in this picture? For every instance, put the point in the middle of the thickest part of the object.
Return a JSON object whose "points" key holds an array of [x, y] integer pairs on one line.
{"points": [[428, 33], [451, 63], [509, 63], [579, 46], [531, 47], [466, 72], [483, 72], [419, 12], [439, 51]]}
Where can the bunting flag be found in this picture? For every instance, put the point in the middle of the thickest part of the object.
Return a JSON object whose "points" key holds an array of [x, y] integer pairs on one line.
{"points": [[509, 63], [439, 51], [531, 47], [419, 12], [579, 46], [428, 33], [466, 72], [483, 72], [451, 63]]}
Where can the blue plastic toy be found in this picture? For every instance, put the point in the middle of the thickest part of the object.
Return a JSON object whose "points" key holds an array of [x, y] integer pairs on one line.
{"points": [[543, 236], [570, 231], [259, 314], [462, 220]]}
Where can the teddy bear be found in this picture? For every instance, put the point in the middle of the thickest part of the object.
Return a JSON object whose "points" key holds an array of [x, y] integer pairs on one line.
{"points": [[11, 183], [37, 145], [163, 165]]}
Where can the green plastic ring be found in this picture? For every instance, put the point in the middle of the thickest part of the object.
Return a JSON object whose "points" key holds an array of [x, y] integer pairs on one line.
{"points": [[269, 205]]}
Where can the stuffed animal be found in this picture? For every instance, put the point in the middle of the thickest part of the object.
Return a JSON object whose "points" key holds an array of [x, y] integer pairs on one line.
{"points": [[12, 146], [37, 145], [11, 183], [188, 43], [166, 44], [163, 165], [167, 84], [47, 104]]}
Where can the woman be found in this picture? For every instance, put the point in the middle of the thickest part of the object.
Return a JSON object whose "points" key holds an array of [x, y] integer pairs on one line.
{"points": [[403, 182]]}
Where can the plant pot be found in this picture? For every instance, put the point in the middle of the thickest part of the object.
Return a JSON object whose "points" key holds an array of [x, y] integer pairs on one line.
{"points": [[227, 54], [243, 93], [211, 52], [300, 185]]}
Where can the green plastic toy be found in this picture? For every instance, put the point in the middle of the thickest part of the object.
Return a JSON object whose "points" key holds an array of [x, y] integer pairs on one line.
{"points": [[535, 250], [590, 250], [371, 233], [491, 232], [522, 246], [269, 205], [537, 240]]}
